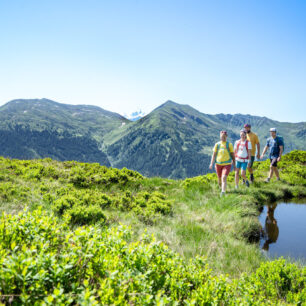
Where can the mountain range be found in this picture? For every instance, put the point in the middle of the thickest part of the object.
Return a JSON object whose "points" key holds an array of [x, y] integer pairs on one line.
{"points": [[172, 141]]}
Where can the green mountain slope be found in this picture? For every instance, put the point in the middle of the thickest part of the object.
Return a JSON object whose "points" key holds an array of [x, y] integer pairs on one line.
{"points": [[44, 128], [44, 114], [172, 141]]}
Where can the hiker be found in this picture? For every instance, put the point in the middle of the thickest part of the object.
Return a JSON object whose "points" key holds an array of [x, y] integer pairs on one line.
{"points": [[224, 156], [253, 138], [276, 145], [242, 151]]}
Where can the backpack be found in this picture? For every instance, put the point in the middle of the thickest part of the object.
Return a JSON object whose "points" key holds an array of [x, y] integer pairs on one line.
{"points": [[278, 138], [228, 150], [247, 148]]}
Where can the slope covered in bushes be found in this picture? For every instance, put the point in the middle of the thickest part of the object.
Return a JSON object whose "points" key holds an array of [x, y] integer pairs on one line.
{"points": [[42, 261], [107, 262]]}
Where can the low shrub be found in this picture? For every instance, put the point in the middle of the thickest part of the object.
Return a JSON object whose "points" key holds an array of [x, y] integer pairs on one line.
{"points": [[81, 215], [45, 262]]}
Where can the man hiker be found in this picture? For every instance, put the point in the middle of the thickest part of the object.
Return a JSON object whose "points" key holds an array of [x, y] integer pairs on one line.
{"points": [[242, 149], [224, 156], [276, 145], [253, 138]]}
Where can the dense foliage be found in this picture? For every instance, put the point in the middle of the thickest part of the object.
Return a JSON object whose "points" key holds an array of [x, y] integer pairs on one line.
{"points": [[86, 190], [42, 261], [22, 142]]}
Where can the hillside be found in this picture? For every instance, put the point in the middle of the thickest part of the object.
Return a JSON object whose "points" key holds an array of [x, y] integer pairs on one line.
{"points": [[81, 233], [44, 114], [44, 128], [173, 141]]}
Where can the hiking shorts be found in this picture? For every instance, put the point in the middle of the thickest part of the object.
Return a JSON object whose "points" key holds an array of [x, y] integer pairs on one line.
{"points": [[242, 165], [273, 162], [223, 170], [252, 161]]}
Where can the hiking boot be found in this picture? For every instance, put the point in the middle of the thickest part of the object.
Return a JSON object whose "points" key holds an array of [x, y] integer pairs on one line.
{"points": [[222, 194], [267, 180], [247, 183], [236, 186], [243, 181], [252, 178]]}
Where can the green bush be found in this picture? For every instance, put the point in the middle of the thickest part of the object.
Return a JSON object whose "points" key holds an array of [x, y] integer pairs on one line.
{"points": [[146, 205], [82, 207], [44, 261], [200, 181], [81, 215]]}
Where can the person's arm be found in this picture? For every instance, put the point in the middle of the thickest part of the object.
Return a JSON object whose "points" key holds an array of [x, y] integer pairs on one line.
{"points": [[232, 153], [264, 152], [281, 149], [258, 150], [235, 148], [250, 155], [233, 159], [257, 143], [212, 160]]}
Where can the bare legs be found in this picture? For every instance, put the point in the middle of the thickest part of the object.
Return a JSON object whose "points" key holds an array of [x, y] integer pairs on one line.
{"points": [[243, 174], [250, 170], [224, 183], [219, 182], [275, 170]]}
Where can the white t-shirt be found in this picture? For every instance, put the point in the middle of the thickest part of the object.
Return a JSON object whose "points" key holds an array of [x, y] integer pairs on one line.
{"points": [[242, 154]]}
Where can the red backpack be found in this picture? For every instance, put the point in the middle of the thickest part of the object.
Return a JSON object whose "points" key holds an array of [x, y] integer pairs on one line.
{"points": [[247, 148]]}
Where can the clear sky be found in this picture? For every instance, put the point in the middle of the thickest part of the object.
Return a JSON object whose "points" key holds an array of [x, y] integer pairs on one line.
{"points": [[217, 56]]}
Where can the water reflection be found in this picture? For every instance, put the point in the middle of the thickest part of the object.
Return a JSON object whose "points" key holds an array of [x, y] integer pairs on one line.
{"points": [[284, 230], [271, 230]]}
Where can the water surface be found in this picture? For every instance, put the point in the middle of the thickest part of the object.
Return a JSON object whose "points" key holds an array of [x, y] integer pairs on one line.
{"points": [[284, 230]]}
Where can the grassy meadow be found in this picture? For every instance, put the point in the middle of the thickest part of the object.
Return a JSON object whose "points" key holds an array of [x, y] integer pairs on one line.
{"points": [[204, 246]]}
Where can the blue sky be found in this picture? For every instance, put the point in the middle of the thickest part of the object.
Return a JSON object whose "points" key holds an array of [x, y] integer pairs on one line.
{"points": [[217, 56]]}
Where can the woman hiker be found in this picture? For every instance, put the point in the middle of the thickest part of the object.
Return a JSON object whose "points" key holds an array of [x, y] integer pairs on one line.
{"points": [[242, 149], [224, 156]]}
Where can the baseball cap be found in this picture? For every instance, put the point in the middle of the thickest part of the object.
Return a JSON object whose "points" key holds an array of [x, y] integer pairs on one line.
{"points": [[223, 132], [247, 125], [243, 130], [273, 130]]}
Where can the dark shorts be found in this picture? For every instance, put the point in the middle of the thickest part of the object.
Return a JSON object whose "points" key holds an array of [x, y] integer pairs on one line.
{"points": [[223, 170], [273, 162], [251, 161]]}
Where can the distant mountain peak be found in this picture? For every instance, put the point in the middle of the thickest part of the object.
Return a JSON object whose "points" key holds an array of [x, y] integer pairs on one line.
{"points": [[169, 103], [134, 116]]}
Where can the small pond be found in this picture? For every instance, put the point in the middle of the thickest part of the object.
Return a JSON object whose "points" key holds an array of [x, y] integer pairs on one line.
{"points": [[284, 230]]}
